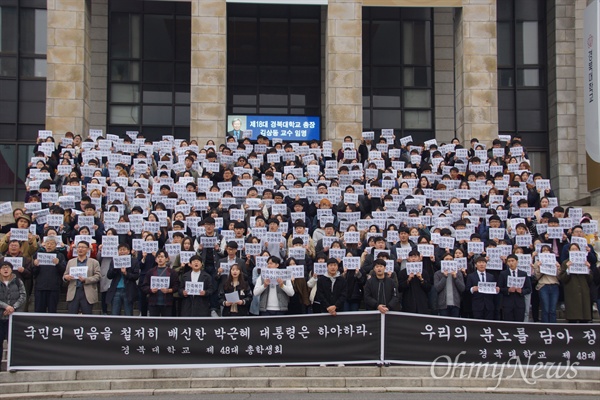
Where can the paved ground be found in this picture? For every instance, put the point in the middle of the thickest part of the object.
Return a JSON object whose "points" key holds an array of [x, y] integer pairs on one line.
{"points": [[349, 396]]}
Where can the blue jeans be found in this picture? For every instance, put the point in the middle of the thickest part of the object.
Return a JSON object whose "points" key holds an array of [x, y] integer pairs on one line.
{"points": [[119, 300], [351, 305], [549, 300]]}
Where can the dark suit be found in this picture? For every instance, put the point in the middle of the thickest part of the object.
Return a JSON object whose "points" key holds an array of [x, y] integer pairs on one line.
{"points": [[482, 304], [513, 304]]}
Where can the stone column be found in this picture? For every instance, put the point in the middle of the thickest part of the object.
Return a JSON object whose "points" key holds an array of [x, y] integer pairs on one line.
{"points": [[476, 71], [100, 68], [443, 73], [562, 99], [343, 109], [209, 68], [580, 6], [69, 66]]}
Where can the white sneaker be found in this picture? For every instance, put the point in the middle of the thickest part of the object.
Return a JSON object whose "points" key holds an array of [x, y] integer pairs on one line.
{"points": [[214, 314]]}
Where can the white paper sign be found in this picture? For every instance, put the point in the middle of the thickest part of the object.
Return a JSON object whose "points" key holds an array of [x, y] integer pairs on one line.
{"points": [[194, 288], [297, 271], [414, 268], [46, 258], [122, 262], [351, 263], [159, 282], [19, 234], [17, 262], [5, 208], [320, 268], [515, 281], [577, 257], [232, 297], [579, 269], [449, 266], [487, 287], [77, 272]]}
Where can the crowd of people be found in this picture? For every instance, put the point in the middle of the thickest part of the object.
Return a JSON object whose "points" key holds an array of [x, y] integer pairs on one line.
{"points": [[266, 227]]}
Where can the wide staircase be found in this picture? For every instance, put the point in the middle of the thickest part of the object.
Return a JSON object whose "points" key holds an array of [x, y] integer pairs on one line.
{"points": [[295, 379]]}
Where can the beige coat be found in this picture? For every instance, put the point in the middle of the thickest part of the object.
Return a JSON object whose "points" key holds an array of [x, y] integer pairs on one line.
{"points": [[90, 286]]}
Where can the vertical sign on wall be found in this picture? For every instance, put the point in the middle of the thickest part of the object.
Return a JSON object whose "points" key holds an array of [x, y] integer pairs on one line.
{"points": [[591, 48]]}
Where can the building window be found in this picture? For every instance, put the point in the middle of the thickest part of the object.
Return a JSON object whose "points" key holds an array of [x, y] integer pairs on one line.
{"points": [[22, 70], [23, 33], [273, 59], [397, 71], [149, 64], [522, 72]]}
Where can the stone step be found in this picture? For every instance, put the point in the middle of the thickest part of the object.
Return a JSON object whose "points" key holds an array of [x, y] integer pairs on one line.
{"points": [[38, 384], [347, 372], [306, 384]]}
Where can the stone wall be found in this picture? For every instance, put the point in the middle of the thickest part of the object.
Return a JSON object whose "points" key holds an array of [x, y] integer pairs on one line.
{"points": [[69, 66], [209, 66], [443, 43], [476, 71], [100, 67], [562, 99], [343, 110]]}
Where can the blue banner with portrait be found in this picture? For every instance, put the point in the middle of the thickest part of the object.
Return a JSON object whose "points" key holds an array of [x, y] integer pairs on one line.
{"points": [[286, 128]]}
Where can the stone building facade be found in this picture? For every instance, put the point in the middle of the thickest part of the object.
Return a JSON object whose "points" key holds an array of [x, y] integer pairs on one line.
{"points": [[469, 84]]}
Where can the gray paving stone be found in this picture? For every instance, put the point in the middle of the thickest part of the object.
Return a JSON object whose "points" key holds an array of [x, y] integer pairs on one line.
{"points": [[115, 374], [269, 372], [230, 382], [68, 386], [191, 373], [344, 372], [311, 382]]}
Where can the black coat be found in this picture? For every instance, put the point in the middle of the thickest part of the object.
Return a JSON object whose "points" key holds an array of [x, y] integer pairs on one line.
{"points": [[131, 290], [49, 277], [196, 306], [384, 289], [245, 295], [331, 296], [414, 293]]}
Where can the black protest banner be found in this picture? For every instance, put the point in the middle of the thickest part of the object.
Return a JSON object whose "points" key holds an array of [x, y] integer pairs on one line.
{"points": [[444, 341], [60, 341]]}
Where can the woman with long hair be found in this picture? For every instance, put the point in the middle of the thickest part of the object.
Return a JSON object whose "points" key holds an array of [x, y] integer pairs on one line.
{"points": [[235, 283]]}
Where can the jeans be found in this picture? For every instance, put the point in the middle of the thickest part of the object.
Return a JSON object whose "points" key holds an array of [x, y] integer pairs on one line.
{"points": [[549, 300], [119, 300], [351, 305]]}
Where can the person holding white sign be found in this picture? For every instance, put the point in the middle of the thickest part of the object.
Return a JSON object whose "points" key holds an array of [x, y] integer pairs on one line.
{"points": [[514, 285], [196, 305], [274, 296], [576, 284], [577, 232], [123, 285], [160, 301], [414, 287], [547, 286], [236, 295], [449, 284], [29, 246], [82, 292], [482, 304], [331, 289], [48, 276]]}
